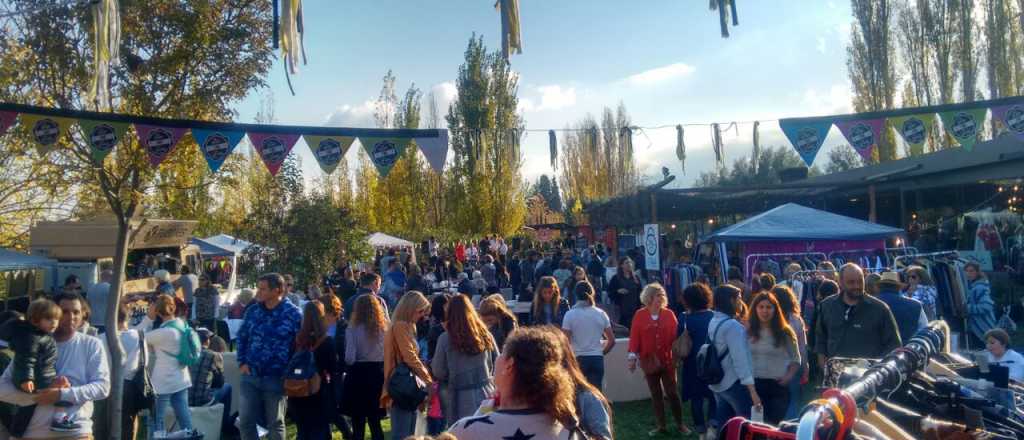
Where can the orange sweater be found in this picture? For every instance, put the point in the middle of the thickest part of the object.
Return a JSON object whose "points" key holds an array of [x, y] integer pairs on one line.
{"points": [[649, 336], [400, 345]]}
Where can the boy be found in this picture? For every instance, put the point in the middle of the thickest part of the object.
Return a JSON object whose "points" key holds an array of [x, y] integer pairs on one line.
{"points": [[35, 359]]}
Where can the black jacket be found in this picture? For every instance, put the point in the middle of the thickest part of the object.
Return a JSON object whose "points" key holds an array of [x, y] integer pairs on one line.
{"points": [[35, 353]]}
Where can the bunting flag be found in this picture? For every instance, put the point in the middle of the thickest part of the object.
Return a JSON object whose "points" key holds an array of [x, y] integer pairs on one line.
{"points": [[328, 150], [384, 152], [216, 145], [273, 148], [435, 149], [964, 125], [102, 136], [863, 135], [45, 130], [158, 141], [806, 135], [7, 119], [914, 130], [1012, 117]]}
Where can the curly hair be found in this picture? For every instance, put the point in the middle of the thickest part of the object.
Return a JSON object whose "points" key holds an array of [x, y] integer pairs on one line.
{"points": [[539, 378], [467, 333], [779, 327], [368, 313]]}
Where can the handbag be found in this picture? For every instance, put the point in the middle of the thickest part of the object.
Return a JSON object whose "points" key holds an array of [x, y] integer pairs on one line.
{"points": [[405, 389], [138, 391], [682, 345]]}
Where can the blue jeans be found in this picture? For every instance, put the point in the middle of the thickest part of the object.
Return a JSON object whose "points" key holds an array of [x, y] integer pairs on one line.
{"points": [[261, 397], [223, 395], [179, 403], [403, 423], [795, 396], [593, 369], [733, 402]]}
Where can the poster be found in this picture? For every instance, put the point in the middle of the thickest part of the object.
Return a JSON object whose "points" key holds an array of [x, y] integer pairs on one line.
{"points": [[652, 243]]}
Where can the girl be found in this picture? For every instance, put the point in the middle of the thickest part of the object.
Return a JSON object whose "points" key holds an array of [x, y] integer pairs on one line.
{"points": [[464, 360], [311, 414], [775, 355], [400, 347], [549, 307], [364, 355]]}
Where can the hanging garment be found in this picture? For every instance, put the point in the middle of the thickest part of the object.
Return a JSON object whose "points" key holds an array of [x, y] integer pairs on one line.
{"points": [[291, 39], [511, 38], [681, 147], [716, 143], [106, 28], [723, 14], [756, 154], [553, 143]]}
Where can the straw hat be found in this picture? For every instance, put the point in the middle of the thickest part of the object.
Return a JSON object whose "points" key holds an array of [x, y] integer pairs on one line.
{"points": [[891, 278], [162, 276]]}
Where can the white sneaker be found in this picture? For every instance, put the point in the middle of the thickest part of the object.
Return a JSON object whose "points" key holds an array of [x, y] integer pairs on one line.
{"points": [[181, 433], [159, 435]]}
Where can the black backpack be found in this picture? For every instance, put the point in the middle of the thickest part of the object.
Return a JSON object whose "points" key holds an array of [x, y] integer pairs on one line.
{"points": [[709, 362]]}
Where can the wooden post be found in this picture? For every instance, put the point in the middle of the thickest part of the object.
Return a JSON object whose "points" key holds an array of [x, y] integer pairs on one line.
{"points": [[872, 212], [654, 208]]}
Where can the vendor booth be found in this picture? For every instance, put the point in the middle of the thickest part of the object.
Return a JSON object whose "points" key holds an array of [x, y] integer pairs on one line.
{"points": [[19, 272]]}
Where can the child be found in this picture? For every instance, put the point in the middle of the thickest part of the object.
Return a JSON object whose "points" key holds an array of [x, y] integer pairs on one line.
{"points": [[35, 359]]}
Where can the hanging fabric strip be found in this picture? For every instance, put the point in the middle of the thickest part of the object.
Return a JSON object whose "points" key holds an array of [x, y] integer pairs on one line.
{"points": [[553, 143], [216, 145], [862, 135], [681, 147], [102, 136], [106, 30], [964, 125], [435, 149], [158, 141], [384, 152], [277, 23], [7, 120], [716, 143], [273, 148], [329, 150], [756, 154], [290, 39], [511, 37], [45, 130], [806, 135], [1011, 116]]}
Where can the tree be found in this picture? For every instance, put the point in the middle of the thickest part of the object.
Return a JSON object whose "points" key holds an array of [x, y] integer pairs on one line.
{"points": [[548, 189], [179, 59], [843, 158], [770, 162], [485, 187], [597, 160], [870, 63]]}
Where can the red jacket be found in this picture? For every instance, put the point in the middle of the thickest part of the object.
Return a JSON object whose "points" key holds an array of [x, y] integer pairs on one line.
{"points": [[649, 336]]}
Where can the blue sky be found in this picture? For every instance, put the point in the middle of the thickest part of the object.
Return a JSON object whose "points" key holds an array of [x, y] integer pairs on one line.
{"points": [[663, 58]]}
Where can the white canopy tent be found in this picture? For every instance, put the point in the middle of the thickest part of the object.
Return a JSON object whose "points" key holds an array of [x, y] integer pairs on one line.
{"points": [[382, 240]]}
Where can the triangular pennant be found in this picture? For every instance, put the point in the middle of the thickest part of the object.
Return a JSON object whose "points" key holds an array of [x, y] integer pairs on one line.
{"points": [[435, 149], [273, 148], [863, 135], [7, 119], [102, 136], [216, 145], [328, 150], [1012, 117], [384, 152], [806, 135], [964, 125], [158, 141], [45, 130], [914, 130]]}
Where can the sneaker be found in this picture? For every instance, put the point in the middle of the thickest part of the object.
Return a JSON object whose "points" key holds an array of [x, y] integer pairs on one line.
{"points": [[65, 424], [158, 435], [188, 434]]}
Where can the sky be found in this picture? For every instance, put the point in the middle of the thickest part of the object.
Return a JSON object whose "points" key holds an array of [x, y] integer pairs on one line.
{"points": [[664, 59]]}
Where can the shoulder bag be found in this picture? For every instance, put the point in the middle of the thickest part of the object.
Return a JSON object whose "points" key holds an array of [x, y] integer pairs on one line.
{"points": [[138, 391], [405, 389]]}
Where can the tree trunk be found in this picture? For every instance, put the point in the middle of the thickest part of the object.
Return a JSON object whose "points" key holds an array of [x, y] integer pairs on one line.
{"points": [[114, 401]]}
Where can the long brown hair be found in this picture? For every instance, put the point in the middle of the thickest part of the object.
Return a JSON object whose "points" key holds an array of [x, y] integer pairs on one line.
{"points": [[540, 380], [572, 366], [494, 305], [467, 333], [788, 303], [368, 313], [313, 327], [547, 282], [779, 327]]}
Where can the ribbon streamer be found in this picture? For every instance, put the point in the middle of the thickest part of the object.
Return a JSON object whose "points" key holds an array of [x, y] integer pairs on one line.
{"points": [[106, 29], [754, 161], [511, 36], [681, 147], [553, 143]]}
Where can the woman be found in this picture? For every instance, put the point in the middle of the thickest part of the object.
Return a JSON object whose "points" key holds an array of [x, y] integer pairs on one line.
{"points": [[170, 378], [791, 313], [548, 308], [829, 269], [499, 319], [563, 274], [775, 355], [650, 345], [871, 284], [921, 288], [736, 393], [763, 283], [364, 357], [980, 309], [400, 347], [735, 278], [697, 300], [624, 289], [237, 309], [579, 275], [438, 305], [585, 325], [347, 286], [464, 360], [502, 276], [537, 396], [997, 342], [337, 326], [593, 410], [312, 415], [415, 280]]}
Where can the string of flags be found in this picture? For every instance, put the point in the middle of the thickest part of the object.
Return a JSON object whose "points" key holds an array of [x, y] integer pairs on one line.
{"points": [[102, 132]]}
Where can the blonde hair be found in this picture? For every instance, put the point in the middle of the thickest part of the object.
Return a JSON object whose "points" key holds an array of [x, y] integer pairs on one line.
{"points": [[410, 303], [164, 305], [650, 291]]}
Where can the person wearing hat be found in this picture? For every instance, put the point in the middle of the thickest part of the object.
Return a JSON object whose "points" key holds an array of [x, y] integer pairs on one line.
{"points": [[909, 312], [163, 282]]}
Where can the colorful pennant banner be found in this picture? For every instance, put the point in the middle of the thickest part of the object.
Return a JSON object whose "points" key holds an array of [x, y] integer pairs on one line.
{"points": [[914, 130], [158, 141], [435, 149], [1012, 117], [806, 135], [964, 125], [45, 130], [273, 148], [328, 150], [102, 136], [7, 119], [216, 145], [384, 152], [863, 135]]}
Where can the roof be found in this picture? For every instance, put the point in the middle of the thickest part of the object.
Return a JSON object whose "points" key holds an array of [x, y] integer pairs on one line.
{"points": [[208, 249], [380, 239], [229, 243], [14, 260], [793, 222]]}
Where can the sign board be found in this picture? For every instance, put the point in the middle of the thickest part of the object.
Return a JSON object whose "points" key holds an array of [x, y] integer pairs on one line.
{"points": [[983, 258], [652, 240]]}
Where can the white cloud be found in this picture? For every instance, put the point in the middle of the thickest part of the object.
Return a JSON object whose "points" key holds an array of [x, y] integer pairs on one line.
{"points": [[526, 105], [347, 115], [821, 45], [555, 97], [660, 74], [836, 100]]}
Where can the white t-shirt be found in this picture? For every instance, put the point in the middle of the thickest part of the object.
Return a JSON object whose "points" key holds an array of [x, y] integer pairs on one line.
{"points": [[1012, 360], [587, 325]]}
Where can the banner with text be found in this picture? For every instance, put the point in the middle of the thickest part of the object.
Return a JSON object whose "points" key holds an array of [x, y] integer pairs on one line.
{"points": [[384, 152], [216, 145], [328, 150], [158, 141], [806, 136], [273, 148], [862, 135], [102, 136], [914, 130], [964, 125], [45, 130], [1012, 118]]}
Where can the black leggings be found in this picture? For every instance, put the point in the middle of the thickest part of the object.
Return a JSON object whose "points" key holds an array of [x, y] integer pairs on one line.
{"points": [[775, 399], [359, 427]]}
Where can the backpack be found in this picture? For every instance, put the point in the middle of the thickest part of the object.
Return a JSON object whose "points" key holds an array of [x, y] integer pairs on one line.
{"points": [[190, 350], [709, 362], [302, 378]]}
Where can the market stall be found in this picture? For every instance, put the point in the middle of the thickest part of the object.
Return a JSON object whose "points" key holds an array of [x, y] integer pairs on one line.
{"points": [[14, 265]]}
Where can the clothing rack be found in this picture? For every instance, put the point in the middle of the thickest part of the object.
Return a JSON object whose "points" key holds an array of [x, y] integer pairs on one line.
{"points": [[896, 260], [749, 268], [796, 275]]}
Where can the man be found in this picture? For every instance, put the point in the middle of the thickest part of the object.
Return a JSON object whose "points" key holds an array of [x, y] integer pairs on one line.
{"points": [[97, 296], [908, 312], [467, 286], [528, 269], [83, 361], [432, 247], [294, 296], [265, 342], [852, 324], [208, 386], [369, 284], [394, 284], [188, 282], [206, 299]]}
